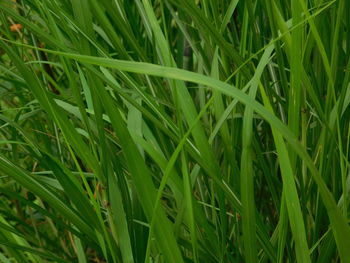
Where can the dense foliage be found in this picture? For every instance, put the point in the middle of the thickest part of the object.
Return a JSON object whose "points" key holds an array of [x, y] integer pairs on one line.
{"points": [[174, 131]]}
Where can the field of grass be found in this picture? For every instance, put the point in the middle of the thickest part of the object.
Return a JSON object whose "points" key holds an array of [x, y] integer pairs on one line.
{"points": [[199, 131]]}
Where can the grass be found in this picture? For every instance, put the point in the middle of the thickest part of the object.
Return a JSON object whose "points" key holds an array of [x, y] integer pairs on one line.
{"points": [[174, 131]]}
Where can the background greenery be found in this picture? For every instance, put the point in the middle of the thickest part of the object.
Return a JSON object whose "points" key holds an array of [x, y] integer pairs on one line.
{"points": [[174, 131]]}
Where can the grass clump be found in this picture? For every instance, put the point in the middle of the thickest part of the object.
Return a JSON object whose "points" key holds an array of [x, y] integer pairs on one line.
{"points": [[174, 131]]}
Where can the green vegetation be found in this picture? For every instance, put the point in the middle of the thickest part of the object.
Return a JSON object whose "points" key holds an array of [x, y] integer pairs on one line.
{"points": [[174, 131]]}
